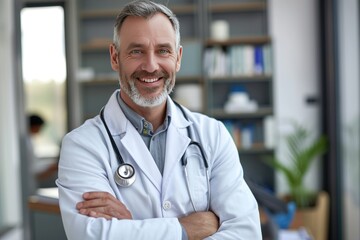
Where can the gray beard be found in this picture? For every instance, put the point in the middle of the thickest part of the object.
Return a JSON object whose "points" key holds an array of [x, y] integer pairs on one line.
{"points": [[139, 100]]}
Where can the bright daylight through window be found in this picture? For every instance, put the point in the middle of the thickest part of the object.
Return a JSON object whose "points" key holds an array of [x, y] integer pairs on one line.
{"points": [[44, 74]]}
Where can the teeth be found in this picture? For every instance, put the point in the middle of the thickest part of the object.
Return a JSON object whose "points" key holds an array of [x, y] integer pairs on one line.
{"points": [[151, 80]]}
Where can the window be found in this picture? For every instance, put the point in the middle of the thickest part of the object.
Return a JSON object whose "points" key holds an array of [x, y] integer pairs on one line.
{"points": [[44, 74]]}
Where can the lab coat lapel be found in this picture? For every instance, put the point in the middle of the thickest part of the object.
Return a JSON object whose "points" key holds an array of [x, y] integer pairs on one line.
{"points": [[134, 144], [176, 143], [131, 140]]}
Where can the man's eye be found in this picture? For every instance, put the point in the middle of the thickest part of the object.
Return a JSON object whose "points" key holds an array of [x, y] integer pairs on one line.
{"points": [[164, 51], [136, 51]]}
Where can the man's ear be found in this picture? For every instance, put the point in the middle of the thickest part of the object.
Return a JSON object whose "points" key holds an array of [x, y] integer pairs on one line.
{"points": [[178, 60], [114, 58]]}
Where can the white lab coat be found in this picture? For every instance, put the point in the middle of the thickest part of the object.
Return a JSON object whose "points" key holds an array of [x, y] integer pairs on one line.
{"points": [[87, 163]]}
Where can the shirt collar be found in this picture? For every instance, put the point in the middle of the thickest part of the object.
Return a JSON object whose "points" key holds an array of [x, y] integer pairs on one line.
{"points": [[140, 123]]}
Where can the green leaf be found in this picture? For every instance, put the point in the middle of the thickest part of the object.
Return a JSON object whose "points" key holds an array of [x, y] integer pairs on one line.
{"points": [[302, 151], [288, 172]]}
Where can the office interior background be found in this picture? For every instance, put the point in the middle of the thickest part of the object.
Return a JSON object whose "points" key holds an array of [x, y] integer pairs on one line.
{"points": [[314, 80]]}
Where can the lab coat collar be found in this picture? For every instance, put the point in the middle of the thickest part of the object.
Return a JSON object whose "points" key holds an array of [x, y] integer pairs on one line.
{"points": [[177, 117], [114, 116]]}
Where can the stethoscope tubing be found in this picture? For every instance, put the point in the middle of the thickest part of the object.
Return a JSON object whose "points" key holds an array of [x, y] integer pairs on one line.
{"points": [[113, 144], [126, 181], [124, 175]]}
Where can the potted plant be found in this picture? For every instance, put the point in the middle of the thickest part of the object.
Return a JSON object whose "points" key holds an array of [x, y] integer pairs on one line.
{"points": [[312, 208], [302, 151]]}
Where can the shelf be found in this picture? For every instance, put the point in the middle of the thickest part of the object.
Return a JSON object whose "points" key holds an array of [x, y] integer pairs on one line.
{"points": [[184, 9], [97, 45], [112, 13], [255, 150], [237, 7], [261, 112], [239, 79], [189, 79], [239, 41], [36, 203], [100, 81]]}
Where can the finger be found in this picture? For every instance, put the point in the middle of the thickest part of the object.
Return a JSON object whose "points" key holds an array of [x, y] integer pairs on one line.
{"points": [[106, 212], [95, 214], [97, 200], [115, 209], [95, 195], [99, 215]]}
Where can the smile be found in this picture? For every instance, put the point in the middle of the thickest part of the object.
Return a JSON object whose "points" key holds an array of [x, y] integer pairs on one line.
{"points": [[149, 80]]}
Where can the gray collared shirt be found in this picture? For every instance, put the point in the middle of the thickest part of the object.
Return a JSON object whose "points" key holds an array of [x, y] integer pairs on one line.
{"points": [[155, 141]]}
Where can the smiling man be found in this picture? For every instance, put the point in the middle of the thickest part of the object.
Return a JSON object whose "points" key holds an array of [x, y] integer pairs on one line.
{"points": [[146, 167], [147, 57]]}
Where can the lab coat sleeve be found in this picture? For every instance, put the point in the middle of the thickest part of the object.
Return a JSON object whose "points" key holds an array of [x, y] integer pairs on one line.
{"points": [[82, 168], [231, 198]]}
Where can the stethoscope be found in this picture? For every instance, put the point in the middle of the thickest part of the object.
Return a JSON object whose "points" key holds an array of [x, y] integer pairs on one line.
{"points": [[125, 173]]}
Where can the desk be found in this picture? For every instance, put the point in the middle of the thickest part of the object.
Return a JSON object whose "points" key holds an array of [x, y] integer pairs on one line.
{"points": [[46, 222]]}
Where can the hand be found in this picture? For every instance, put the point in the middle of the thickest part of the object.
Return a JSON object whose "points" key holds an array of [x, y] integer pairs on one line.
{"points": [[200, 225], [102, 204]]}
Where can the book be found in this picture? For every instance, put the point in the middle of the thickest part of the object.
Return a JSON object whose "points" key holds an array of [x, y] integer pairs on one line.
{"points": [[267, 56], [258, 60], [249, 59]]}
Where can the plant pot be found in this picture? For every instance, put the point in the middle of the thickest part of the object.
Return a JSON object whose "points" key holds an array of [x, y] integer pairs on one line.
{"points": [[314, 219]]}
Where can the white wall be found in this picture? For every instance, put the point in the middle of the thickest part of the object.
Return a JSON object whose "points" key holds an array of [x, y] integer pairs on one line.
{"points": [[295, 35], [9, 150], [349, 76]]}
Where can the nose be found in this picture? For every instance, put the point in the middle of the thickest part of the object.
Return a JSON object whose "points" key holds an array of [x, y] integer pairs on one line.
{"points": [[150, 63]]}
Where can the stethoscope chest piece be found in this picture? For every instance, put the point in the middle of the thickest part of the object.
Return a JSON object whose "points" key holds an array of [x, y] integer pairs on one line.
{"points": [[125, 175]]}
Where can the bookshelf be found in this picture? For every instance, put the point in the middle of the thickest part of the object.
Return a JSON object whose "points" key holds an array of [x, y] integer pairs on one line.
{"points": [[239, 80], [247, 34]]}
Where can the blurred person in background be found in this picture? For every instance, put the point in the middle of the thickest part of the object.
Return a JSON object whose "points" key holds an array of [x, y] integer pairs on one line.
{"points": [[40, 172]]}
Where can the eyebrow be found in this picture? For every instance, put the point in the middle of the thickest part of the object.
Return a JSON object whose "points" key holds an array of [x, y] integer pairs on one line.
{"points": [[164, 45], [140, 45], [135, 45]]}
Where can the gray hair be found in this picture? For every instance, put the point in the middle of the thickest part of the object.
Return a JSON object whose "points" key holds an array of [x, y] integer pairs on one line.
{"points": [[145, 9]]}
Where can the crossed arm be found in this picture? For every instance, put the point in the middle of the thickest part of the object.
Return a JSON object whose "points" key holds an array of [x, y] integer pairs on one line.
{"points": [[198, 225]]}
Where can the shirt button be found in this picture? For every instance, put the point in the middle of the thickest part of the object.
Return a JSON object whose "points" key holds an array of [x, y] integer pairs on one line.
{"points": [[167, 205]]}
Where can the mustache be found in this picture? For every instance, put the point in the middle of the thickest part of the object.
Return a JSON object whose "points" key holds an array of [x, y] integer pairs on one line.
{"points": [[145, 74]]}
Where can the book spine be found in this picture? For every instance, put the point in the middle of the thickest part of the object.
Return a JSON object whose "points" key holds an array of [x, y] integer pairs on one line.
{"points": [[259, 60]]}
